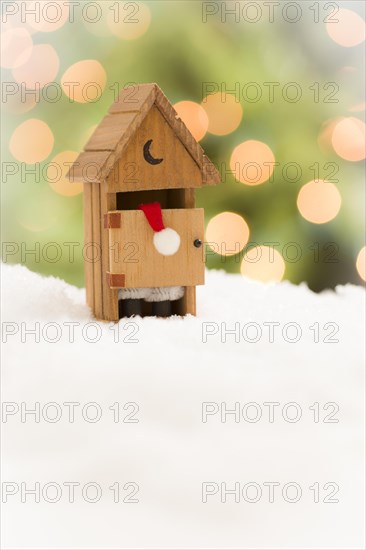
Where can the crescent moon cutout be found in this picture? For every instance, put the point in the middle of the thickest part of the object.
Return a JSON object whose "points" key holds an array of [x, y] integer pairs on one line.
{"points": [[148, 156]]}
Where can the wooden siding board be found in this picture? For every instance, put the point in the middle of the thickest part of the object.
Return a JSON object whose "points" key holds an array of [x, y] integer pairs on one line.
{"points": [[88, 240], [96, 233], [110, 297]]}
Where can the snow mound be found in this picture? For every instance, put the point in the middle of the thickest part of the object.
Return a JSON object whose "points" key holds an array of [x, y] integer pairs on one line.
{"points": [[140, 410]]}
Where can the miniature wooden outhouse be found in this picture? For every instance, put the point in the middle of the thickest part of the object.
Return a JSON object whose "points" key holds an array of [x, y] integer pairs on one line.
{"points": [[141, 153]]}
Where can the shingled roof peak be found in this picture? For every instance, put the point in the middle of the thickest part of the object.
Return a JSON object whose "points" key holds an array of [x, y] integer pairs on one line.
{"points": [[110, 139]]}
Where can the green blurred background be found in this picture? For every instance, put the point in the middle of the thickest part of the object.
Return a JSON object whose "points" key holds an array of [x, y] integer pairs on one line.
{"points": [[171, 44]]}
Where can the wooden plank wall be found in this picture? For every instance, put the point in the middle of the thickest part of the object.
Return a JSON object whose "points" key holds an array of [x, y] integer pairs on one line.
{"points": [[96, 238], [108, 202], [88, 241], [189, 298]]}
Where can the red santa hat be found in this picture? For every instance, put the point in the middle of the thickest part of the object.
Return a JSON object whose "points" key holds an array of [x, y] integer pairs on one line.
{"points": [[166, 240]]}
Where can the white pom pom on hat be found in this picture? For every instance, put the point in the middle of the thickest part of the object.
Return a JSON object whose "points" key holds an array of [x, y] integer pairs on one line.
{"points": [[166, 240]]}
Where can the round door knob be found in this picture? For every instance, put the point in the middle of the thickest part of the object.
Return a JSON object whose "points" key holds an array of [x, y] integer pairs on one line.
{"points": [[197, 243]]}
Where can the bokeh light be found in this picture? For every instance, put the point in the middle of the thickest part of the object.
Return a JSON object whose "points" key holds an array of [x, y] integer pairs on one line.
{"points": [[319, 201], [347, 70], [263, 263], [358, 108], [52, 15], [326, 132], [16, 47], [224, 113], [41, 67], [84, 81], [349, 30], [194, 117], [348, 139], [32, 141], [129, 23], [361, 263], [56, 174], [227, 233], [252, 162], [17, 104]]}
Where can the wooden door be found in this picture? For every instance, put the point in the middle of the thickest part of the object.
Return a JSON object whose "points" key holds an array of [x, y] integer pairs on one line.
{"points": [[135, 263]]}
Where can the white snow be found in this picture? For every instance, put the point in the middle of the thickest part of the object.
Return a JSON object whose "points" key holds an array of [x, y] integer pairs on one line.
{"points": [[166, 368]]}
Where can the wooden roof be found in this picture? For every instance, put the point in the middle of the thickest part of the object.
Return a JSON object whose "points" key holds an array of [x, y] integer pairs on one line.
{"points": [[110, 139]]}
